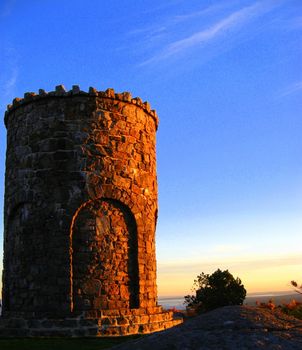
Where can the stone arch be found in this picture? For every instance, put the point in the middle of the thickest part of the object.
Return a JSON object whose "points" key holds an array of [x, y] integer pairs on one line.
{"points": [[104, 257], [114, 192]]}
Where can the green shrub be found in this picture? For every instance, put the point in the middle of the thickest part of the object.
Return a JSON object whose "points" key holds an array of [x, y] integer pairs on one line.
{"points": [[216, 290]]}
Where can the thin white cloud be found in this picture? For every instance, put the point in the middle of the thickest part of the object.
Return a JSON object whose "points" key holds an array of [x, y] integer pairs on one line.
{"points": [[149, 30], [10, 83], [162, 27], [9, 73], [200, 37], [206, 11], [292, 89], [228, 24]]}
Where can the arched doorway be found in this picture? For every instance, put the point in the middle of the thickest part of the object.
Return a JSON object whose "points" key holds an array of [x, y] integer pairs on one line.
{"points": [[104, 257]]}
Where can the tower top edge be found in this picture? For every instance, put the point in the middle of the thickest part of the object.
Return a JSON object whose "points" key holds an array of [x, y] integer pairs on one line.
{"points": [[60, 91]]}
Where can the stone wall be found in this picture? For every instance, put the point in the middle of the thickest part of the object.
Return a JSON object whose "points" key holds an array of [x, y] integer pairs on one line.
{"points": [[80, 205]]}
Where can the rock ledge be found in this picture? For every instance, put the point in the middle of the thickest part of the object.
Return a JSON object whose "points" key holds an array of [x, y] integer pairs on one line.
{"points": [[230, 327]]}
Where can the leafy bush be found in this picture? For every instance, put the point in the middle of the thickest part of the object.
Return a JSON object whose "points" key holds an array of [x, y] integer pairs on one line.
{"points": [[216, 290]]}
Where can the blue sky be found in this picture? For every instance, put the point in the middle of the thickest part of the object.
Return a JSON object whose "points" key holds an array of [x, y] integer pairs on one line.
{"points": [[225, 78]]}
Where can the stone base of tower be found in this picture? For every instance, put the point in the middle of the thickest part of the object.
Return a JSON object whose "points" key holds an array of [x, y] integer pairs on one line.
{"points": [[108, 323]]}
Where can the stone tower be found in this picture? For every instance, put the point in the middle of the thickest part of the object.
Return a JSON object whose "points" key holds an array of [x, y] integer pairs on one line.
{"points": [[80, 215]]}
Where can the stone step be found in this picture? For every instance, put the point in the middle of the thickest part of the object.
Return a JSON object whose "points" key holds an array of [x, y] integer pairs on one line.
{"points": [[147, 328], [133, 320], [135, 312], [76, 327]]}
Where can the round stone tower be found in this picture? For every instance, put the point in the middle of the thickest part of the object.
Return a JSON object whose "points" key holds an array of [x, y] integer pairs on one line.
{"points": [[80, 214]]}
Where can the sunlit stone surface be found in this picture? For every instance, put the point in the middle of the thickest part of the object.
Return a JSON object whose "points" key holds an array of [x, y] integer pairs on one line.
{"points": [[80, 216]]}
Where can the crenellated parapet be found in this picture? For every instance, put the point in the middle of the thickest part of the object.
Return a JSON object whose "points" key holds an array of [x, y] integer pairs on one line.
{"points": [[60, 92]]}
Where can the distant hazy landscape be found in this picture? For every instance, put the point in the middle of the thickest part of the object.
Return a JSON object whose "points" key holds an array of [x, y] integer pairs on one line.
{"points": [[251, 299]]}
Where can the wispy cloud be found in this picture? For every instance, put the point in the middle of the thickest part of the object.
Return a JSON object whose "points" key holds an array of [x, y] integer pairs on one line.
{"points": [[291, 89], [205, 11], [159, 30], [9, 73], [10, 83], [148, 30], [228, 25]]}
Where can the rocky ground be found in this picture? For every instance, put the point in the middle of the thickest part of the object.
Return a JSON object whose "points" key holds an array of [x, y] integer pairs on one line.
{"points": [[230, 327]]}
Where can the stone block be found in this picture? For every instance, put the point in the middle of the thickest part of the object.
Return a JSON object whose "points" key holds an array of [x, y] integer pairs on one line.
{"points": [[110, 93], [92, 91], [60, 90], [75, 89], [145, 319]]}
